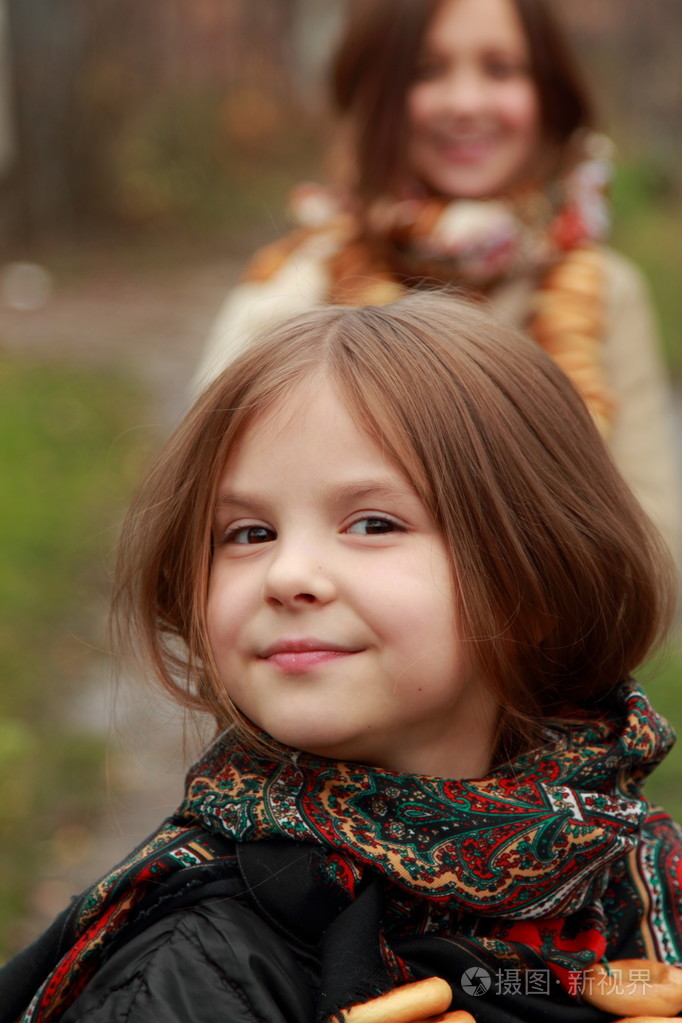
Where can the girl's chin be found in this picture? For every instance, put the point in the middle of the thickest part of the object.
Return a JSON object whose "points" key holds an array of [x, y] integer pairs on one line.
{"points": [[471, 184], [470, 180], [326, 746]]}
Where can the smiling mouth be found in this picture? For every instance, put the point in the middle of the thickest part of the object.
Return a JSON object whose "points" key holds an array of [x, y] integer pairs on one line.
{"points": [[293, 663], [296, 656], [466, 148]]}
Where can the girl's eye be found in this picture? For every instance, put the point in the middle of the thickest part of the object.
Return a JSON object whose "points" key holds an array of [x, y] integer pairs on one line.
{"points": [[250, 535], [501, 70], [372, 525], [427, 71]]}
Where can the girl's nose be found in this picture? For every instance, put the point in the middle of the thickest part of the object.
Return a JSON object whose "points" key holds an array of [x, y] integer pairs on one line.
{"points": [[296, 578], [463, 91]]}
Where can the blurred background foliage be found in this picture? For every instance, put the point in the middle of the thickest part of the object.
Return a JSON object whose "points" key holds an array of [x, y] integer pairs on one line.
{"points": [[130, 123], [194, 117], [138, 115], [69, 460]]}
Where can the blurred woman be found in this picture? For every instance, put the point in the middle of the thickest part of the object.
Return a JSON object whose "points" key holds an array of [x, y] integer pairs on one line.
{"points": [[466, 155]]}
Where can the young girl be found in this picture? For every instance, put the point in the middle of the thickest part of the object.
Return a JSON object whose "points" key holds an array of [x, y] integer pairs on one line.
{"points": [[388, 552], [467, 157]]}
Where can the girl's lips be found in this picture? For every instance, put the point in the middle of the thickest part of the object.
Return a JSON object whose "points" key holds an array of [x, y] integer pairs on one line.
{"points": [[294, 662], [294, 656], [466, 151]]}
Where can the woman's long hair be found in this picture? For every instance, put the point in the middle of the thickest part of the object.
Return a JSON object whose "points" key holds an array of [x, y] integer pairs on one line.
{"points": [[374, 66]]}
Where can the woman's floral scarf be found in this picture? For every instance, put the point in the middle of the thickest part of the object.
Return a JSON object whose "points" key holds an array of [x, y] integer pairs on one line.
{"points": [[555, 860], [416, 240]]}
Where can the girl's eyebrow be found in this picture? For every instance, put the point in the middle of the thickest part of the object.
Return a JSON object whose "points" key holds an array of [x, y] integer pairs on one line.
{"points": [[341, 493], [360, 490], [229, 500]]}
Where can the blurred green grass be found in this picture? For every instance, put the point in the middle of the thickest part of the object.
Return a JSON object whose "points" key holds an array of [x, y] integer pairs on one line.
{"points": [[647, 207], [69, 463], [647, 215], [662, 679]]}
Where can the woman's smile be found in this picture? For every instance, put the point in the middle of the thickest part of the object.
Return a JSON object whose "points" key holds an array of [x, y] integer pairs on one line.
{"points": [[465, 149], [473, 109]]}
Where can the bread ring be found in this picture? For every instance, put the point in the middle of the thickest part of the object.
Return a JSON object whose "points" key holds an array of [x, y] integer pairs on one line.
{"points": [[410, 1003]]}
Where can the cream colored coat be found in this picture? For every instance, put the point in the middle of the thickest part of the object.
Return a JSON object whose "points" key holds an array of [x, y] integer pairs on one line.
{"points": [[641, 441]]}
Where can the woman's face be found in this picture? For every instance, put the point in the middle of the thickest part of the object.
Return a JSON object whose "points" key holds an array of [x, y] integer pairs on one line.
{"points": [[473, 109]]}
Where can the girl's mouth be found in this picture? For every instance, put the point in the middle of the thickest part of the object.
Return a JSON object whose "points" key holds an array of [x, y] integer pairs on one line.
{"points": [[465, 150], [295, 656], [292, 662]]}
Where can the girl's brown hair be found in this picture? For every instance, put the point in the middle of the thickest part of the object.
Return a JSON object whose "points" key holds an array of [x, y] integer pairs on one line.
{"points": [[374, 66], [562, 585]]}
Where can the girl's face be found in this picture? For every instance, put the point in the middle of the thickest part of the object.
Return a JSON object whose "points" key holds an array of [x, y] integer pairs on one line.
{"points": [[331, 608], [473, 110]]}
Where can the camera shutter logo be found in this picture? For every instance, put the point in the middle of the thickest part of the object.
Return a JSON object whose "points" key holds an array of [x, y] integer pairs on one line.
{"points": [[476, 981]]}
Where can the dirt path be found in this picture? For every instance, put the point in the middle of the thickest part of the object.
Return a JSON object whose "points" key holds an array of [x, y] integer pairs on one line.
{"points": [[151, 323]]}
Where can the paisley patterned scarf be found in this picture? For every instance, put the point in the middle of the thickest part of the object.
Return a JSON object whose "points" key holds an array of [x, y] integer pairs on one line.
{"points": [[554, 860], [415, 240]]}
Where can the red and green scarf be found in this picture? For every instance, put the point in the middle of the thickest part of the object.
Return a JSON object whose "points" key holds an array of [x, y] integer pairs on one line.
{"points": [[554, 860]]}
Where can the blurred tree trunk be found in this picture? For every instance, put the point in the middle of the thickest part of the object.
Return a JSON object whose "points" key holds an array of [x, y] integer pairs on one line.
{"points": [[85, 71], [315, 29], [46, 39], [633, 51], [7, 136], [264, 44]]}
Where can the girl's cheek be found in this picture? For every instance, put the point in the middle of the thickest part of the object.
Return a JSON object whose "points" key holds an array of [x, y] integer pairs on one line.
{"points": [[421, 102], [523, 104]]}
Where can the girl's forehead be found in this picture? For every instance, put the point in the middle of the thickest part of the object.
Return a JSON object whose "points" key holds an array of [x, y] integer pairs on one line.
{"points": [[317, 417], [293, 406], [294, 411]]}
